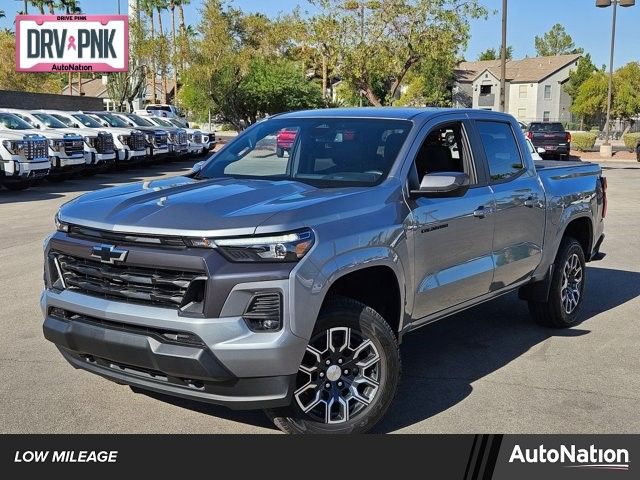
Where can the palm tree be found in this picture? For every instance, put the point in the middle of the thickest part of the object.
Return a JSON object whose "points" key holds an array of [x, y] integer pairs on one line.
{"points": [[52, 7], [172, 7], [180, 4], [162, 5], [147, 7], [39, 4], [70, 6]]}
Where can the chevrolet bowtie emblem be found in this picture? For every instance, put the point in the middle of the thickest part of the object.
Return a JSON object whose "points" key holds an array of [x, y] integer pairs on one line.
{"points": [[109, 253]]}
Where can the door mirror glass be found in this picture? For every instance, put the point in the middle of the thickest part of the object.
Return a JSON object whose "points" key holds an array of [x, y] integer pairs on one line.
{"points": [[443, 184]]}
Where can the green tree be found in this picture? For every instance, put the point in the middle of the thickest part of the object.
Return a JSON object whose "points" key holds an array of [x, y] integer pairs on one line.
{"points": [[577, 77], [626, 82], [494, 54], [591, 100], [70, 6], [555, 42], [381, 41], [39, 4]]}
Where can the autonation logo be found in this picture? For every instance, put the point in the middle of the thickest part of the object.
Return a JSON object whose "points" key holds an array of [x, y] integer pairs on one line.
{"points": [[574, 457]]}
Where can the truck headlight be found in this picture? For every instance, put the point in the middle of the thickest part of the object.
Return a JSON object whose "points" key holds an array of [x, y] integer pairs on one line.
{"points": [[90, 141], [15, 147], [286, 247], [124, 139], [60, 225], [56, 145]]}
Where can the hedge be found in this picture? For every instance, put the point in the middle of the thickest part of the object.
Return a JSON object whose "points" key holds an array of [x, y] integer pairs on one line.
{"points": [[631, 140], [583, 140]]}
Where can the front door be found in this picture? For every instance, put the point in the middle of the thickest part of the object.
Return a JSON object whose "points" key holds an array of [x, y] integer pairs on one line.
{"points": [[452, 237]]}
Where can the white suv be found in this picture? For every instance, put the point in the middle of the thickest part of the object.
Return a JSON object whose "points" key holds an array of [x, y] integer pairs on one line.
{"points": [[23, 157]]}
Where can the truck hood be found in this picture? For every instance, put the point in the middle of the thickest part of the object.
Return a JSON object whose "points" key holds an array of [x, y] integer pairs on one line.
{"points": [[51, 134], [207, 208], [17, 134], [83, 132]]}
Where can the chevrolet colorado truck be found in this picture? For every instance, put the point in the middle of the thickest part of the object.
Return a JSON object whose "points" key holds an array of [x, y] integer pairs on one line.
{"points": [[129, 144], [287, 283]]}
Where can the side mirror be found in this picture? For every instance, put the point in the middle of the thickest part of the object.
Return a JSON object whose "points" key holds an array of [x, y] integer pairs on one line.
{"points": [[443, 184], [541, 150], [75, 125], [196, 169]]}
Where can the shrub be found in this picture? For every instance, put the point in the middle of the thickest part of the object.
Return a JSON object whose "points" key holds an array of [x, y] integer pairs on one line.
{"points": [[631, 140], [583, 140]]}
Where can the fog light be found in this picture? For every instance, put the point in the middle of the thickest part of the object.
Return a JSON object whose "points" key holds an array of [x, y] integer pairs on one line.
{"points": [[264, 312]]}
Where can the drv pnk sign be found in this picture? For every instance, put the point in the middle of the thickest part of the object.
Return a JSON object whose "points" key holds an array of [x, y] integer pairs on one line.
{"points": [[72, 43]]}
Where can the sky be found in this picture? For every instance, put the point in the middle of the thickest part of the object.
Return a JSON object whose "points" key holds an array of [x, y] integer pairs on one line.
{"points": [[589, 26]]}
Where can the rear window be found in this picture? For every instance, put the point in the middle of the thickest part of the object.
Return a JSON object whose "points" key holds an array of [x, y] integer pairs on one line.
{"points": [[546, 127], [501, 149]]}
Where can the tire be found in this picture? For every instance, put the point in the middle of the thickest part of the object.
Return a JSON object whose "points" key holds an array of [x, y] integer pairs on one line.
{"points": [[279, 152], [565, 301], [352, 325]]}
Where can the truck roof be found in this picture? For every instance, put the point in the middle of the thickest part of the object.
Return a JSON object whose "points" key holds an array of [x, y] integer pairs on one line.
{"points": [[399, 113]]}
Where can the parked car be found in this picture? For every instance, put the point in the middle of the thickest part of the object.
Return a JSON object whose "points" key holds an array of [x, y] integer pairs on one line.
{"points": [[99, 151], [285, 139], [152, 142], [165, 139], [552, 137], [535, 152], [163, 110], [24, 157], [129, 144], [199, 141], [255, 282], [66, 150]]}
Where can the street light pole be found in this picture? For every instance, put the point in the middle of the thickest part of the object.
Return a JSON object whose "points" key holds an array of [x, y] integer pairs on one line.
{"points": [[603, 4], [503, 57]]}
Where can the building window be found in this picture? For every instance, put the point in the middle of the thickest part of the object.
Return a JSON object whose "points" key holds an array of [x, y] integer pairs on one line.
{"points": [[546, 116], [547, 92], [523, 91], [485, 89], [522, 113]]}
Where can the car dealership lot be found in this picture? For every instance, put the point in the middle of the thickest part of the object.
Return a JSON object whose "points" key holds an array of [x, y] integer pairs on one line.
{"points": [[488, 369]]}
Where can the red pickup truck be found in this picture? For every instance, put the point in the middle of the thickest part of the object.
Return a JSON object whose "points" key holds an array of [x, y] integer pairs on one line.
{"points": [[284, 140]]}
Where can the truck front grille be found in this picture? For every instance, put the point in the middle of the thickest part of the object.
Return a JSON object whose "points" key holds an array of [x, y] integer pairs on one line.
{"points": [[197, 137], [137, 141], [160, 140], [158, 287], [104, 143], [73, 146], [182, 137], [37, 149]]}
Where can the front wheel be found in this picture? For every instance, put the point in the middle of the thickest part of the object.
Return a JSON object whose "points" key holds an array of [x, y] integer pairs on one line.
{"points": [[567, 288], [349, 374]]}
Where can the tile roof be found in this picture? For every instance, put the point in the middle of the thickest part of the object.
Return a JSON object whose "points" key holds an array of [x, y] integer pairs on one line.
{"points": [[527, 70]]}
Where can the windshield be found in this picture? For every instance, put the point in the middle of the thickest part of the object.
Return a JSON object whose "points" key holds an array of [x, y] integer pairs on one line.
{"points": [[112, 120], [162, 122], [48, 120], [332, 152], [546, 127], [139, 121], [86, 120], [13, 122]]}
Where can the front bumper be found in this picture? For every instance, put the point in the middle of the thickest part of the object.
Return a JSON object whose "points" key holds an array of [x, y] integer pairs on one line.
{"points": [[17, 170], [97, 159], [67, 163], [128, 155]]}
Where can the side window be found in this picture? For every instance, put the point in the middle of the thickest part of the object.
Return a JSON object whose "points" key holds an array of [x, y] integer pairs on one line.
{"points": [[443, 150], [501, 149]]}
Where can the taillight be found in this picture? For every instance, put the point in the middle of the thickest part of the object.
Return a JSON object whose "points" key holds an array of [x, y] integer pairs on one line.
{"points": [[530, 135], [568, 137], [603, 182]]}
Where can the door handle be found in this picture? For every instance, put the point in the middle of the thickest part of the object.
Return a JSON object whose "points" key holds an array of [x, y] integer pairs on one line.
{"points": [[480, 212]]}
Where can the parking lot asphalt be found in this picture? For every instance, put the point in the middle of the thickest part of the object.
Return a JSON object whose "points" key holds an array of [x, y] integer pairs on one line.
{"points": [[489, 369]]}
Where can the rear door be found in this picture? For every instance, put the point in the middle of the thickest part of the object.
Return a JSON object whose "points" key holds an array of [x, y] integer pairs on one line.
{"points": [[519, 203]]}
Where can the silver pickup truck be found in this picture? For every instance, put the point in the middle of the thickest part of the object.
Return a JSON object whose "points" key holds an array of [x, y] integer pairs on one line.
{"points": [[287, 283]]}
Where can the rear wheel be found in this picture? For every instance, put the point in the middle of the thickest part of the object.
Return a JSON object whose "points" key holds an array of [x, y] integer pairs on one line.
{"points": [[348, 376], [567, 288]]}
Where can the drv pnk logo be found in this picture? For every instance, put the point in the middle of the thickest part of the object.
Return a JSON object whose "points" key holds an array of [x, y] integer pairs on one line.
{"points": [[55, 43]]}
